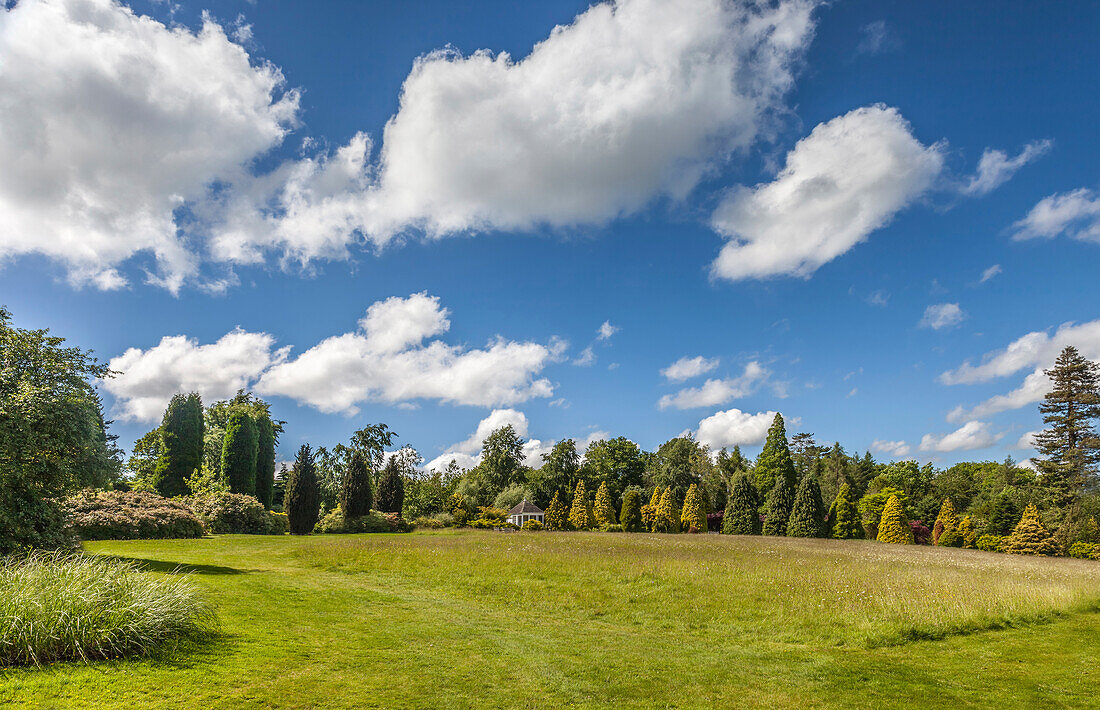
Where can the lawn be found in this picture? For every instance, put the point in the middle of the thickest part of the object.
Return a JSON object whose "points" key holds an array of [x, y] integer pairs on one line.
{"points": [[537, 620]]}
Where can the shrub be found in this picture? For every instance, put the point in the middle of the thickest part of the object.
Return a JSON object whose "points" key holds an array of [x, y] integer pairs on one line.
{"points": [[1085, 550], [373, 522], [446, 518], [945, 531], [777, 512], [844, 521], [741, 516], [602, 510], [458, 508], [356, 495], [613, 528], [692, 515], [239, 450], [714, 521], [532, 525], [578, 512], [277, 523], [991, 543], [232, 513], [966, 534], [631, 516], [426, 522], [921, 534], [557, 516], [60, 607], [302, 493], [893, 527], [494, 516], [114, 515], [1029, 536], [666, 520], [807, 516]]}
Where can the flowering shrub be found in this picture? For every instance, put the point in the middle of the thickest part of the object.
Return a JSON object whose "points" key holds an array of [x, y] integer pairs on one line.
{"points": [[232, 513], [117, 515], [921, 534]]}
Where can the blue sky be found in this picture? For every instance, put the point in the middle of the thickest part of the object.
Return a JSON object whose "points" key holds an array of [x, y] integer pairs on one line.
{"points": [[805, 197]]}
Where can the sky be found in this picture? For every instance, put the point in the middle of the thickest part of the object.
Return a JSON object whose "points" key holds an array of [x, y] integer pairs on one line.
{"points": [[638, 218]]}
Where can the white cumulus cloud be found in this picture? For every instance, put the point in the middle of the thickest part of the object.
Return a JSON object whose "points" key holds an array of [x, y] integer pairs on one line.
{"points": [[687, 367], [972, 435], [995, 167], [1035, 349], [942, 315], [897, 449], [849, 177], [734, 428], [717, 391], [1075, 214]]}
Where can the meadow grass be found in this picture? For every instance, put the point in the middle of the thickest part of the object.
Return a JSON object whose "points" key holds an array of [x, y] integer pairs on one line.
{"points": [[463, 619], [68, 606]]}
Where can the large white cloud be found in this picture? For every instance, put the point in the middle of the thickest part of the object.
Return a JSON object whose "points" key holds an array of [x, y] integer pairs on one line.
{"points": [[149, 378], [1076, 214], [995, 167], [111, 121], [717, 391], [734, 428], [970, 436], [849, 177]]}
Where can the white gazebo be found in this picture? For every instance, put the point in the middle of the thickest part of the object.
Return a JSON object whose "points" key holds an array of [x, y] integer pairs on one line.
{"points": [[525, 511]]}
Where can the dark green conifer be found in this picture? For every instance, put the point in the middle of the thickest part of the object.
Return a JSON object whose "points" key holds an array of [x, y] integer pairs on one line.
{"points": [[775, 461], [356, 496], [239, 450], [303, 496], [844, 519], [631, 516], [1005, 514], [777, 512], [265, 460], [391, 489], [742, 516], [807, 515], [181, 444]]}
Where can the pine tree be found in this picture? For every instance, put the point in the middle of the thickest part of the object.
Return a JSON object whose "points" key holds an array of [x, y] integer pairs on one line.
{"points": [[603, 511], [1005, 514], [239, 450], [181, 434], [1069, 446], [302, 493], [1029, 536], [807, 516], [692, 515], [742, 516], [894, 526], [578, 512], [631, 516], [967, 535], [775, 462], [945, 533], [777, 511], [649, 510], [844, 518], [356, 496], [278, 491], [265, 460], [665, 520], [391, 489], [557, 515]]}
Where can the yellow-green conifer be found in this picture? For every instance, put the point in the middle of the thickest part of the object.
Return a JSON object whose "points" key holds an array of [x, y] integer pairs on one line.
{"points": [[945, 532], [666, 520], [967, 535], [557, 515], [1030, 537], [692, 515], [894, 526], [605, 513], [578, 513]]}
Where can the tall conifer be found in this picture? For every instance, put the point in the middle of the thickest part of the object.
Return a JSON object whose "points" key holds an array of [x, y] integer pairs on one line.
{"points": [[807, 514], [777, 512], [742, 516], [775, 462], [1069, 447], [181, 433], [239, 450], [303, 496]]}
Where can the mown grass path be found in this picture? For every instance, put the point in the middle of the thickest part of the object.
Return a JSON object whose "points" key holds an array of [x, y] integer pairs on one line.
{"points": [[537, 620]]}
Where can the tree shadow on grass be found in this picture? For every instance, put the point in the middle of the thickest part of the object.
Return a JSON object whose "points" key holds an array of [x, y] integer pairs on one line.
{"points": [[147, 565]]}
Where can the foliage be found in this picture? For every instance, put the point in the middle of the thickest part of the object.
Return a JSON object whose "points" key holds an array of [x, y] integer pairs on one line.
{"points": [[807, 517], [777, 511], [559, 473], [356, 496], [945, 532], [619, 462], [631, 516], [391, 489], [278, 491], [1005, 514], [871, 506], [773, 464], [578, 511], [991, 543], [53, 438], [142, 464], [181, 433], [117, 515], [60, 607], [1084, 551], [844, 517], [742, 515], [427, 494], [501, 460], [532, 525], [665, 519], [301, 503], [278, 523], [511, 496], [921, 534], [557, 515], [265, 460], [458, 508], [206, 482], [649, 510], [373, 522], [233, 513], [1069, 447], [603, 512], [894, 526], [216, 417], [967, 534], [425, 521], [692, 515], [1030, 537], [677, 464], [239, 451]]}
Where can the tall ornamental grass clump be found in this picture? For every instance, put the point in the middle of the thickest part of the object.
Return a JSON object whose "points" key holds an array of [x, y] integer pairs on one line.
{"points": [[61, 606]]}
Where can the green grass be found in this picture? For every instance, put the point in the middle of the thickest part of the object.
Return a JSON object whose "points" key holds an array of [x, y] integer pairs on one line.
{"points": [[535, 620]]}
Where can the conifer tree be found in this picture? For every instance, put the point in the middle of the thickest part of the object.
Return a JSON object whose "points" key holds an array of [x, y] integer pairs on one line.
{"points": [[742, 516], [631, 516], [945, 533], [894, 526], [807, 517], [1005, 514], [1029, 536], [265, 460], [967, 535], [303, 496], [278, 491], [578, 512], [1069, 447], [557, 515], [391, 489], [844, 518], [777, 511], [181, 433], [692, 515], [649, 510], [775, 462], [356, 496], [239, 450], [665, 520], [603, 510]]}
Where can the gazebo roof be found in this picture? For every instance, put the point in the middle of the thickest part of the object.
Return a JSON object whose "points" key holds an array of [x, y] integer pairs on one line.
{"points": [[525, 507]]}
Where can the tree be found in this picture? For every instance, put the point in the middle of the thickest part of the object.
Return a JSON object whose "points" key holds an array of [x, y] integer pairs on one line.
{"points": [[894, 526], [807, 514], [837, 467], [265, 460], [692, 515], [1005, 513], [391, 489], [216, 417], [805, 453], [844, 520], [278, 491], [302, 500], [775, 461], [1069, 447], [356, 496], [742, 516], [239, 450], [649, 510], [578, 512], [967, 535], [872, 505], [631, 516], [1029, 537], [603, 511], [777, 511], [677, 464], [618, 462], [53, 438], [142, 464], [502, 459], [945, 533], [665, 519], [181, 434], [557, 515], [559, 472]]}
